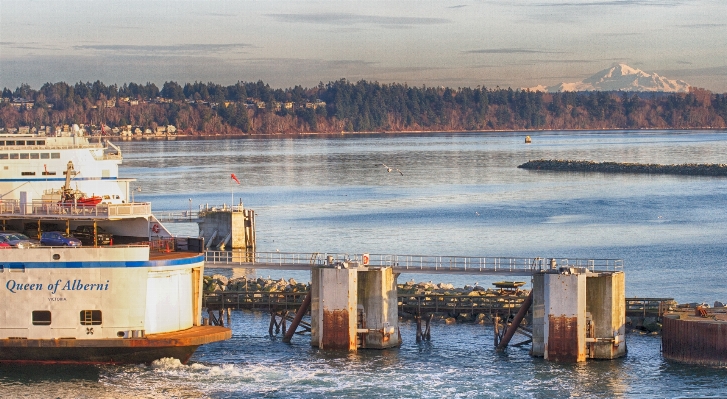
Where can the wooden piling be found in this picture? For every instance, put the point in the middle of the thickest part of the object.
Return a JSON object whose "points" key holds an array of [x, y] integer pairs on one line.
{"points": [[496, 329], [272, 323], [418, 319]]}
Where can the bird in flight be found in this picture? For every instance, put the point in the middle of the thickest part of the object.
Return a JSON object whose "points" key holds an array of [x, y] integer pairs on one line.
{"points": [[390, 169]]}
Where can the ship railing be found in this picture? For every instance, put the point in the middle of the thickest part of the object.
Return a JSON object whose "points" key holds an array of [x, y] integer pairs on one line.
{"points": [[163, 245], [403, 263], [175, 244], [177, 216], [55, 209]]}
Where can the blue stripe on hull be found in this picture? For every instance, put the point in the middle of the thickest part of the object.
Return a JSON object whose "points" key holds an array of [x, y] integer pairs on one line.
{"points": [[99, 264]]}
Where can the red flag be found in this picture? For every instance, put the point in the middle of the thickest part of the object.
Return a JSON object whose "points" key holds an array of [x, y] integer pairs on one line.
{"points": [[234, 178]]}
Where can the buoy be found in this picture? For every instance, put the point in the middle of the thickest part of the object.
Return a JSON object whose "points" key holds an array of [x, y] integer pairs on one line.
{"points": [[527, 140]]}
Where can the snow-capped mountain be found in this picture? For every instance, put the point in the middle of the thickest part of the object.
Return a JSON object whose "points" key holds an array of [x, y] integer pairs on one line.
{"points": [[620, 77]]}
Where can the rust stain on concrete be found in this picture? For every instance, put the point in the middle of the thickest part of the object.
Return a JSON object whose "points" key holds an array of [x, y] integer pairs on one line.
{"points": [[563, 339], [335, 330]]}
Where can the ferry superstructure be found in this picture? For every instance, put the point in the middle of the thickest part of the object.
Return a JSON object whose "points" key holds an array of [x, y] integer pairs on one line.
{"points": [[134, 301]]}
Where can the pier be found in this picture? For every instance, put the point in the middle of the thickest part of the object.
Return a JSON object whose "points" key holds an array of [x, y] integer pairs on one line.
{"points": [[506, 266], [578, 305]]}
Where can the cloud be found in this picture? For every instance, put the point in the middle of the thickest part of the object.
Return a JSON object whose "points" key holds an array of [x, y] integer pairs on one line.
{"points": [[611, 3], [205, 48], [219, 14], [709, 71], [701, 26], [575, 12], [338, 19], [571, 61], [510, 51], [458, 6]]}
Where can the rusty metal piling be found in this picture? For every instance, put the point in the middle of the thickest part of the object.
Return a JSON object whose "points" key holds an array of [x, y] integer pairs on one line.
{"points": [[515, 322], [298, 317]]}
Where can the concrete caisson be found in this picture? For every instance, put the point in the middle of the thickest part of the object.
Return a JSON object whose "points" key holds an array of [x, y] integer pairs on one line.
{"points": [[234, 227], [354, 307], [578, 315]]}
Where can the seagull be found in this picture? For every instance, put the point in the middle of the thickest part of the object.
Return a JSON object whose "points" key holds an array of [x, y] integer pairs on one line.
{"points": [[388, 169], [477, 213], [399, 172]]}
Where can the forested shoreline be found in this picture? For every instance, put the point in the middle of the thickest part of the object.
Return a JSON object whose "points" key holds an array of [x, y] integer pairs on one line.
{"points": [[254, 108]]}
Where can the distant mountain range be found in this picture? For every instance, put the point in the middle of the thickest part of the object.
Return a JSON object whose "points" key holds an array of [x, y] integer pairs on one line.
{"points": [[620, 77]]}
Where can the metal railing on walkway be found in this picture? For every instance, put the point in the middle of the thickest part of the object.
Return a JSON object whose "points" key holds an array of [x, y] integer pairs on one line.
{"points": [[57, 210], [403, 263]]}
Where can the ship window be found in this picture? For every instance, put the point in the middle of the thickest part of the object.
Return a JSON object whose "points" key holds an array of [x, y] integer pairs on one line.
{"points": [[40, 142], [90, 317], [27, 173], [19, 142], [49, 173], [14, 156], [3, 156], [30, 142], [55, 155], [41, 317], [2, 142], [44, 155], [9, 143], [24, 156], [34, 155]]}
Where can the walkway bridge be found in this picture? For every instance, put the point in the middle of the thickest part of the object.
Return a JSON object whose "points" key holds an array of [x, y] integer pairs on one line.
{"points": [[506, 266]]}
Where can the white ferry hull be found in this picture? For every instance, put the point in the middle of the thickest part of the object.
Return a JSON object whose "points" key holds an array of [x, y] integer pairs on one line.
{"points": [[107, 304]]}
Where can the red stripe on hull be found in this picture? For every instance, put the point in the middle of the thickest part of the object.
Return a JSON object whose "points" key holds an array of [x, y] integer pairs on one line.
{"points": [[179, 345]]}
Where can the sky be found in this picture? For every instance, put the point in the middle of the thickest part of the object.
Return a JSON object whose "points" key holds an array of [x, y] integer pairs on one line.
{"points": [[460, 43]]}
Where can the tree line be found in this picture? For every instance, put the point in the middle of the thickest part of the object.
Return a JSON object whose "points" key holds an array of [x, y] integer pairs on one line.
{"points": [[256, 108]]}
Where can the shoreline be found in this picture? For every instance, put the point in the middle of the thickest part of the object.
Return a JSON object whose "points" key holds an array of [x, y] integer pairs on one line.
{"points": [[394, 133]]}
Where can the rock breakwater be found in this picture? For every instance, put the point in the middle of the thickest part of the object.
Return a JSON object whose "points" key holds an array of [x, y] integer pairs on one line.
{"points": [[689, 169]]}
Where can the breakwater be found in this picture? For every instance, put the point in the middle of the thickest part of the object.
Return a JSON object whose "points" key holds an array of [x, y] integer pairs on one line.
{"points": [[690, 169]]}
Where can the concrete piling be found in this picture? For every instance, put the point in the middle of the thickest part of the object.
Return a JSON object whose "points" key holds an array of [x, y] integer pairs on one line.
{"points": [[231, 227], [578, 314], [353, 307]]}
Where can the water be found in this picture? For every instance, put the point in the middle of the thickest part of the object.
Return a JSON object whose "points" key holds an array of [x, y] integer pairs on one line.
{"points": [[459, 195]]}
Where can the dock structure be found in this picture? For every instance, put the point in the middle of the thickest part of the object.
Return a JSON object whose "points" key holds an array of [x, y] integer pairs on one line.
{"points": [[578, 305], [579, 314], [221, 226], [696, 336], [353, 306], [506, 266]]}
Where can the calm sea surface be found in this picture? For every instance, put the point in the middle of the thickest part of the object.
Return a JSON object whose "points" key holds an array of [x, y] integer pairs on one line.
{"points": [[460, 194]]}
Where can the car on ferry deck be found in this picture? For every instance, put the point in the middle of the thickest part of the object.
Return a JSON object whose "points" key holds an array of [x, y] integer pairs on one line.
{"points": [[58, 239], [18, 240]]}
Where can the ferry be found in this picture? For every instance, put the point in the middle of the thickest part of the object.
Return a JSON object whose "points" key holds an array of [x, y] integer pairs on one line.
{"points": [[133, 299]]}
